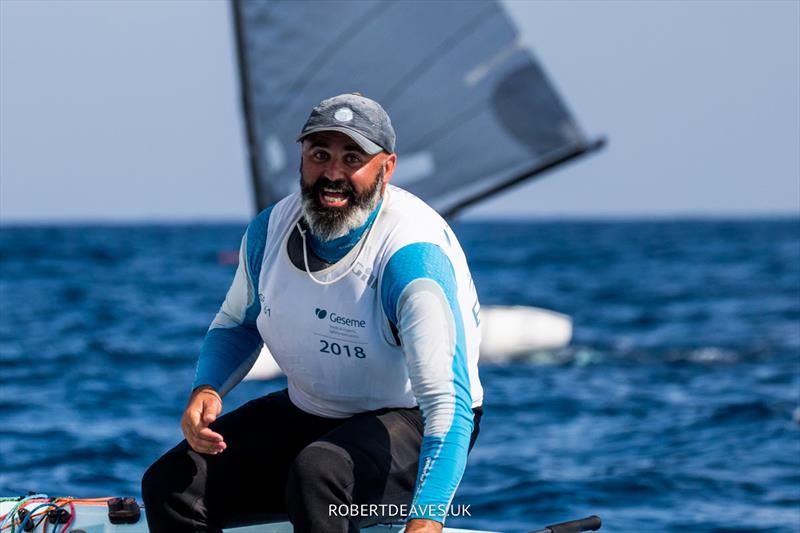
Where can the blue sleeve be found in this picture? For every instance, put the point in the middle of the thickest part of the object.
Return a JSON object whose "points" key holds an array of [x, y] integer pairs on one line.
{"points": [[233, 342], [419, 295]]}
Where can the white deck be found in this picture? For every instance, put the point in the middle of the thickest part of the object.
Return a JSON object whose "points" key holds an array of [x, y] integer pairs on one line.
{"points": [[94, 519]]}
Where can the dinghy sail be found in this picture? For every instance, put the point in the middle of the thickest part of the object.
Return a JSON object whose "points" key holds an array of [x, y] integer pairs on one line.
{"points": [[474, 112]]}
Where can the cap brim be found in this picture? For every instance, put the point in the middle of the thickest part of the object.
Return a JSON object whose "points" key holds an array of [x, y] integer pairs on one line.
{"points": [[368, 146]]}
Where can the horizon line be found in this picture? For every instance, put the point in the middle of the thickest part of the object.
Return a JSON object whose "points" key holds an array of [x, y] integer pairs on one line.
{"points": [[545, 218]]}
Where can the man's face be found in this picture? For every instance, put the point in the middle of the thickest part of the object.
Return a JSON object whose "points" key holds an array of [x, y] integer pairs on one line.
{"points": [[341, 184]]}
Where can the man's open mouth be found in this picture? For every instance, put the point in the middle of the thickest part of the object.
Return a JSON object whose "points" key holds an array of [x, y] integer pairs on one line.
{"points": [[333, 197]]}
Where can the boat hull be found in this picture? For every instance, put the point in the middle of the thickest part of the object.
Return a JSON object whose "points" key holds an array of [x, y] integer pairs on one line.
{"points": [[93, 518]]}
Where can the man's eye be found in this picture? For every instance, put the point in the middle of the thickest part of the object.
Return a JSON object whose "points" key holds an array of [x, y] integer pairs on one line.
{"points": [[319, 156], [352, 158]]}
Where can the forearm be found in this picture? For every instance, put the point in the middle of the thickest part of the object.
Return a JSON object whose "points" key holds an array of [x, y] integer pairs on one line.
{"points": [[226, 356], [233, 342]]}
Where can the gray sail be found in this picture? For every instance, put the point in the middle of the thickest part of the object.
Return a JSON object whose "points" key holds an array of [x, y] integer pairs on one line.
{"points": [[473, 110]]}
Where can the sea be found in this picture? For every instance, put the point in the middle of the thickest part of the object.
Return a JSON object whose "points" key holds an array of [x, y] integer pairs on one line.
{"points": [[676, 408]]}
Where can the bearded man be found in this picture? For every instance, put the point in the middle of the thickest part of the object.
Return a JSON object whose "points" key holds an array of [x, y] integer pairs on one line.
{"points": [[363, 295]]}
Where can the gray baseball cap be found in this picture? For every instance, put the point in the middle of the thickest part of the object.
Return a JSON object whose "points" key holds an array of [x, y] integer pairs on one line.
{"points": [[358, 117]]}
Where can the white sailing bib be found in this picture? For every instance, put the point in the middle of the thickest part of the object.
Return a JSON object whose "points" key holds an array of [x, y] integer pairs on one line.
{"points": [[334, 341]]}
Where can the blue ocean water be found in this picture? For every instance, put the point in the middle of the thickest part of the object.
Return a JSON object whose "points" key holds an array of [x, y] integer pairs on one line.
{"points": [[675, 409]]}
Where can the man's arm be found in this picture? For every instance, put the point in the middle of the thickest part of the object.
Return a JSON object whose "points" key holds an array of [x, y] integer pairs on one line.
{"points": [[419, 294], [231, 345], [233, 342]]}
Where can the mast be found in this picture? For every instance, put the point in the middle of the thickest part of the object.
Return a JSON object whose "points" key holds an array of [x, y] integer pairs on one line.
{"points": [[253, 151]]}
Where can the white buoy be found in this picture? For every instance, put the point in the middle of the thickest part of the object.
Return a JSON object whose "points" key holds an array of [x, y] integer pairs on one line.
{"points": [[511, 331], [506, 332]]}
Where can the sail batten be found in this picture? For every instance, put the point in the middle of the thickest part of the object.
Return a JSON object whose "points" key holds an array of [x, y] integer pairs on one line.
{"points": [[473, 110]]}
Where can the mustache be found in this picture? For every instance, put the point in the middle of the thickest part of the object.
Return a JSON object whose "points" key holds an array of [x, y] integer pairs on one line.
{"points": [[339, 186]]}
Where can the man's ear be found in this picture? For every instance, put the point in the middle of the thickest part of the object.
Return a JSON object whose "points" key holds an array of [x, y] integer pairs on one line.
{"points": [[388, 164]]}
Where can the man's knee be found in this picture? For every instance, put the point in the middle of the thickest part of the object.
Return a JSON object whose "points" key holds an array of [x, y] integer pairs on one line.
{"points": [[172, 471], [321, 464]]}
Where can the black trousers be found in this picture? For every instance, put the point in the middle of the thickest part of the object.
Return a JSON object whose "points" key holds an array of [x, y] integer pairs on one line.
{"points": [[281, 461]]}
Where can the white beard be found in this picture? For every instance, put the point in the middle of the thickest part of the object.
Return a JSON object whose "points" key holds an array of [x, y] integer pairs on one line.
{"points": [[326, 231], [327, 228]]}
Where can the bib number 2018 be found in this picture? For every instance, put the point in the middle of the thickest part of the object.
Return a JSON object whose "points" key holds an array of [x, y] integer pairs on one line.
{"points": [[342, 349]]}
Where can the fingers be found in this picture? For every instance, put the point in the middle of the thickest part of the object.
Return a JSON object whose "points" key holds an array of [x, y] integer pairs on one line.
{"points": [[203, 439], [203, 444], [208, 435]]}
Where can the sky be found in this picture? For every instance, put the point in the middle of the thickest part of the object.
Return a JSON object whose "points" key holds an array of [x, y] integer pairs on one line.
{"points": [[129, 110]]}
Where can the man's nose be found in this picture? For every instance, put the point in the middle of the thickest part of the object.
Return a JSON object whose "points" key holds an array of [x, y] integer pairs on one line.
{"points": [[336, 171]]}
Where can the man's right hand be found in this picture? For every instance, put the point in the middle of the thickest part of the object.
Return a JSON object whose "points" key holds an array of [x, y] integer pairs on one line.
{"points": [[204, 406]]}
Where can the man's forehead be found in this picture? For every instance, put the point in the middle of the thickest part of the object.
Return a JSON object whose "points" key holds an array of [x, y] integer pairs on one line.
{"points": [[326, 139]]}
